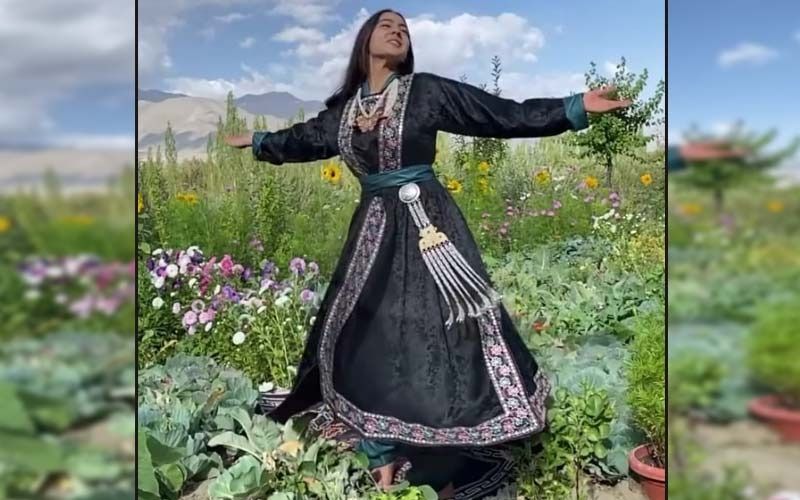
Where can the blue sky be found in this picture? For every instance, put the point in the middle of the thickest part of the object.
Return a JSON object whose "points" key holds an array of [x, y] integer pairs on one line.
{"points": [[67, 77], [734, 60], [301, 46]]}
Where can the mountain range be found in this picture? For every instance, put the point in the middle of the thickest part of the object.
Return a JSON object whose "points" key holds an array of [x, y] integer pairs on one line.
{"points": [[194, 119]]}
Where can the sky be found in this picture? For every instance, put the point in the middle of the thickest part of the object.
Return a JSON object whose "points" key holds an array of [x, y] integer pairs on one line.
{"points": [[209, 47], [732, 60], [67, 74], [68, 68]]}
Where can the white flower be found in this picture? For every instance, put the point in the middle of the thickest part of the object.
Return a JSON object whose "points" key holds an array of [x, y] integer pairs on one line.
{"points": [[282, 300], [158, 251], [176, 308], [172, 270], [158, 302], [158, 282], [192, 282], [217, 289], [266, 387], [238, 338], [209, 325]]}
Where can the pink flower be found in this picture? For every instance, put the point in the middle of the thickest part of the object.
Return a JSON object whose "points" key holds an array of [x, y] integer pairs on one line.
{"points": [[206, 316], [307, 295], [189, 319], [503, 230], [226, 265]]}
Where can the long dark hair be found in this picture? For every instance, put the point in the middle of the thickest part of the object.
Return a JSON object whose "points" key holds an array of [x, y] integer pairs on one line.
{"points": [[358, 67]]}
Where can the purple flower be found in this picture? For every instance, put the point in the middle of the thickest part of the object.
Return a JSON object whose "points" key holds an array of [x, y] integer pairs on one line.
{"points": [[151, 264], [307, 296], [297, 265], [613, 196], [268, 269], [230, 293], [246, 274]]}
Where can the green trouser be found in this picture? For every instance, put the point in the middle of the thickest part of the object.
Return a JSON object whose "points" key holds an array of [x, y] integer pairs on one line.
{"points": [[379, 453]]}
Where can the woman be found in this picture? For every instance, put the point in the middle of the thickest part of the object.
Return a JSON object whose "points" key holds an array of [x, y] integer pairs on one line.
{"points": [[412, 349]]}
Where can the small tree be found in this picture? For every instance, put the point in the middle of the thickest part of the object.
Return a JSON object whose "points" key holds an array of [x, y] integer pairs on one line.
{"points": [[490, 149], [170, 148], [621, 132], [720, 176]]}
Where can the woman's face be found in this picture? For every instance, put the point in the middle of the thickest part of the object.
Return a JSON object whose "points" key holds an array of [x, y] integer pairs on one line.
{"points": [[390, 39]]}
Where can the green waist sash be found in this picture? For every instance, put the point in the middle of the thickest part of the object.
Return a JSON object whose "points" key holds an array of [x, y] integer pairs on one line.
{"points": [[372, 184]]}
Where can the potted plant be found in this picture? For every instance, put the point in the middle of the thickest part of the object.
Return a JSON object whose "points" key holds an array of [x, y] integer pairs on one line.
{"points": [[773, 354], [645, 375]]}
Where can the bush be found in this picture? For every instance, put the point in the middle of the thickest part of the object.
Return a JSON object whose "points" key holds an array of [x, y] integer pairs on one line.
{"points": [[645, 373], [773, 350]]}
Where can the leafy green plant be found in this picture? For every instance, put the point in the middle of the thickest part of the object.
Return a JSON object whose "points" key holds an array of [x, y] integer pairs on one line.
{"points": [[576, 442], [620, 132], [645, 372], [773, 350]]}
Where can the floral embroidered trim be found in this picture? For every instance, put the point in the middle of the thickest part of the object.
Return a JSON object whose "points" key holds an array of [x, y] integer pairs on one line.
{"points": [[518, 419], [369, 239], [345, 138], [391, 129]]}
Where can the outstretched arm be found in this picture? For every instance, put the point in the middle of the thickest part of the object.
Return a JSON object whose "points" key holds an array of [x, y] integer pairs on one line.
{"points": [[314, 139], [464, 109]]}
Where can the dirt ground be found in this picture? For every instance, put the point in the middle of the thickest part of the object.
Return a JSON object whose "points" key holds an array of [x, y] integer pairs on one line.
{"points": [[774, 465]]}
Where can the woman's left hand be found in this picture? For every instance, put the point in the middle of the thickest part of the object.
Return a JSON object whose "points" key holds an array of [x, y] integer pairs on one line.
{"points": [[596, 101]]}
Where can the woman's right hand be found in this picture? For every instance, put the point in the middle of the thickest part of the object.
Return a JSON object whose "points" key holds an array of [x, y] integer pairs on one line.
{"points": [[239, 141]]}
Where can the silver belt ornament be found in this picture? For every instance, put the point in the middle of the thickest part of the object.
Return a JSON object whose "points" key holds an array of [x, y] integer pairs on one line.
{"points": [[458, 283]]}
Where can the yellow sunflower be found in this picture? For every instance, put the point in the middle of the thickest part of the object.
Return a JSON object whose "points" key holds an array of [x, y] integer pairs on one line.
{"points": [[189, 198], [5, 224], [483, 167], [690, 208], [543, 177], [454, 186], [775, 206], [483, 185], [646, 179], [591, 182]]}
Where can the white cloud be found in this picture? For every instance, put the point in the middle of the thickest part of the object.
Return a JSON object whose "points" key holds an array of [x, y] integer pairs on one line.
{"points": [[463, 44], [52, 50], [299, 34], [232, 17], [311, 12], [722, 128], [746, 52], [609, 68], [247, 42]]}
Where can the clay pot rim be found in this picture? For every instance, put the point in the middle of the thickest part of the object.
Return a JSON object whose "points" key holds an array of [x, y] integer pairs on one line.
{"points": [[767, 407], [647, 471]]}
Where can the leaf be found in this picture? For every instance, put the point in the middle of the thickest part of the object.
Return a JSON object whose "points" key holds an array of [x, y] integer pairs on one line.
{"points": [[238, 482], [235, 441], [144, 246], [146, 483], [173, 476], [162, 454], [600, 450], [13, 415]]}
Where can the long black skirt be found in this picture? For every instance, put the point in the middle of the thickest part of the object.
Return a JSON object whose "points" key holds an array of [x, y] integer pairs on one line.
{"points": [[380, 364]]}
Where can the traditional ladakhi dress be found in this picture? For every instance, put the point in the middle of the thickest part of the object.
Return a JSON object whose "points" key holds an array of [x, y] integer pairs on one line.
{"points": [[413, 357]]}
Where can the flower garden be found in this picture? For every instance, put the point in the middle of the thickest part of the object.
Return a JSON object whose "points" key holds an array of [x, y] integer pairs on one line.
{"points": [[733, 302], [67, 364], [234, 258]]}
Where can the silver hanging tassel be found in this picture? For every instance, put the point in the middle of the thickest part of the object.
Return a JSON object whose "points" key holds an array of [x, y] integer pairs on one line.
{"points": [[464, 290]]}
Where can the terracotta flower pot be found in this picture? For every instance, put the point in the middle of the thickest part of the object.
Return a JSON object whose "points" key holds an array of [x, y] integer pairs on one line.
{"points": [[652, 479], [784, 421]]}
